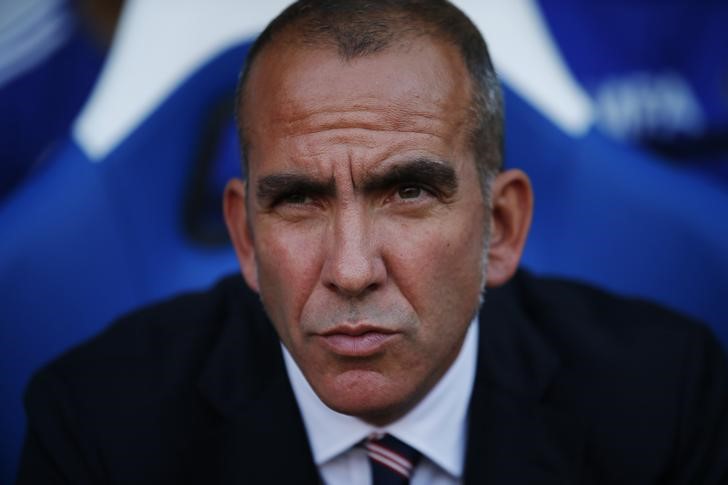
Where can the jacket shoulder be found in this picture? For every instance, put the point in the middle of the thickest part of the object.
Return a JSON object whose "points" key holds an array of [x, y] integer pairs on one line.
{"points": [[182, 328], [649, 384], [562, 307], [127, 403]]}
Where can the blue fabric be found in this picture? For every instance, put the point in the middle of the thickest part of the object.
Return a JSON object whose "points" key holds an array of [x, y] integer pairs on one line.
{"points": [[619, 218], [658, 72], [84, 242], [37, 108]]}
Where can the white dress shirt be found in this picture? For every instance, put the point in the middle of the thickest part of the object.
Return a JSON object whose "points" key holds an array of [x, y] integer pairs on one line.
{"points": [[436, 426]]}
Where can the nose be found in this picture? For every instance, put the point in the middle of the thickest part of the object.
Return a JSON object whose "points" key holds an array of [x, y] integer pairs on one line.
{"points": [[353, 266]]}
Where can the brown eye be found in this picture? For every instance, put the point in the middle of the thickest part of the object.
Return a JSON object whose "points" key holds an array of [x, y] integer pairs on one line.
{"points": [[409, 192], [295, 198]]}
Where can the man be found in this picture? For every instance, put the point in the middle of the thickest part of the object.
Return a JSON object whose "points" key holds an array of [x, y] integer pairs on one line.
{"points": [[374, 215]]}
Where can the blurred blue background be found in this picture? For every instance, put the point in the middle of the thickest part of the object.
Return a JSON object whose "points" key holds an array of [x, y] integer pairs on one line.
{"points": [[117, 138]]}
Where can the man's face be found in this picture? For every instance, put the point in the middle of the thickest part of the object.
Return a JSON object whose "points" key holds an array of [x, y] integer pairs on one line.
{"points": [[365, 218]]}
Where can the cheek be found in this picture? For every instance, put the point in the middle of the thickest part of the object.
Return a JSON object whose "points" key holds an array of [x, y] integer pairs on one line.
{"points": [[438, 267], [289, 263]]}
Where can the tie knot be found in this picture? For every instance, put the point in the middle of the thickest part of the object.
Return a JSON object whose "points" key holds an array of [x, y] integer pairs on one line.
{"points": [[390, 456]]}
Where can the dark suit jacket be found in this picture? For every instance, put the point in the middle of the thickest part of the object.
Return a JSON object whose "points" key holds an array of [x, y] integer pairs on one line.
{"points": [[573, 386]]}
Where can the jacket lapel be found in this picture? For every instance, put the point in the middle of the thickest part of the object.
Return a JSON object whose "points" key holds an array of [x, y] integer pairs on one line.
{"points": [[516, 435], [263, 436], [267, 443]]}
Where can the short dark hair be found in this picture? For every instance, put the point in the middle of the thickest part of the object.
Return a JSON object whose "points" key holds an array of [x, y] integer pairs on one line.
{"points": [[357, 28]]}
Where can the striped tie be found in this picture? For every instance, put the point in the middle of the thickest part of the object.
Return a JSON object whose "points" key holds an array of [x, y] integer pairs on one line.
{"points": [[392, 461]]}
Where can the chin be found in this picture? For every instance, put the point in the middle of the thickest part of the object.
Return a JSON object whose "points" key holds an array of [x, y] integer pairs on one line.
{"points": [[366, 395], [376, 413]]}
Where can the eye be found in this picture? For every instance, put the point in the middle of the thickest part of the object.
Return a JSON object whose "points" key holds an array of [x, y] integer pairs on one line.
{"points": [[409, 191], [295, 198]]}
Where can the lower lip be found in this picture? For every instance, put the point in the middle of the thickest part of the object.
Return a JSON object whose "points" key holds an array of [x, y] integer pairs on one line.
{"points": [[362, 345]]}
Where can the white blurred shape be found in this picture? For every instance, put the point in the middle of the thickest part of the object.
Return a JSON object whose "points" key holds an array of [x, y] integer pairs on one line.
{"points": [[646, 104], [30, 31], [158, 44], [527, 58]]}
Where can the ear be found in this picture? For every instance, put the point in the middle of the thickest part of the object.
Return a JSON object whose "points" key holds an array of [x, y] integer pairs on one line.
{"points": [[238, 226], [512, 200]]}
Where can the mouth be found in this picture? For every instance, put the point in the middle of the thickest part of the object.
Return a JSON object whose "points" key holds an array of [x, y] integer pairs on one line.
{"points": [[357, 340]]}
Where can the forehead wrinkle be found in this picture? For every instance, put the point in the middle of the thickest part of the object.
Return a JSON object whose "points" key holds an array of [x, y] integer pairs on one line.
{"points": [[302, 135], [316, 143], [330, 118], [366, 154]]}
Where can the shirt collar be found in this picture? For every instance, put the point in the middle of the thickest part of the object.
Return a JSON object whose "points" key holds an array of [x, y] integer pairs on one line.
{"points": [[436, 426]]}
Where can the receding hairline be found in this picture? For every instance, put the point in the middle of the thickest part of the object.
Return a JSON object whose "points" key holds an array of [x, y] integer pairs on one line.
{"points": [[286, 44], [289, 40], [378, 27]]}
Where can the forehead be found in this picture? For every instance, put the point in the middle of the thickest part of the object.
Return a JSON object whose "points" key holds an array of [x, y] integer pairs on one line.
{"points": [[420, 86]]}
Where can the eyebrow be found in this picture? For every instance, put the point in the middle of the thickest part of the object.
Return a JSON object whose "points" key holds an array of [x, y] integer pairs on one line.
{"points": [[272, 187], [439, 175]]}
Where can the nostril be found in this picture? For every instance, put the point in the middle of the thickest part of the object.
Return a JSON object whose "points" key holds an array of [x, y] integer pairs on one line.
{"points": [[353, 292]]}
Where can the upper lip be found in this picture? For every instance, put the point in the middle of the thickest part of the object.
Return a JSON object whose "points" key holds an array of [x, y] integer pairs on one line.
{"points": [[356, 330]]}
